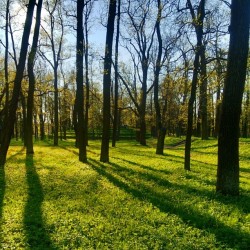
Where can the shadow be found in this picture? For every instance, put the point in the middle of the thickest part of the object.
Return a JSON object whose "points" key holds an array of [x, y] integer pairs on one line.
{"points": [[246, 170], [164, 171], [166, 202], [2, 193], [37, 237], [21, 151], [70, 150], [159, 177]]}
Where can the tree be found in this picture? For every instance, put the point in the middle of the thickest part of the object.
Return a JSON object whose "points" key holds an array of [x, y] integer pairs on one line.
{"points": [[197, 21], [55, 16], [107, 81], [9, 126], [139, 44], [160, 128], [31, 75], [79, 83], [88, 9], [228, 139], [6, 71], [115, 122]]}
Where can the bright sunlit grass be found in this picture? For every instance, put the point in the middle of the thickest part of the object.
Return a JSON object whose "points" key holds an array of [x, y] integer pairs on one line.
{"points": [[139, 200]]}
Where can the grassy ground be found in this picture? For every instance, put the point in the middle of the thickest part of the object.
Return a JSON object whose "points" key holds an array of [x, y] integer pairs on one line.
{"points": [[138, 201]]}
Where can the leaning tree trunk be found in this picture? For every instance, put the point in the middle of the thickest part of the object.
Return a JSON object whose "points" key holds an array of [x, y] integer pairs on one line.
{"points": [[107, 82], [9, 126], [31, 75], [228, 140]]}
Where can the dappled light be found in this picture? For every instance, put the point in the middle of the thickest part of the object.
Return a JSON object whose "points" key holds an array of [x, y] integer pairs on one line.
{"points": [[138, 200]]}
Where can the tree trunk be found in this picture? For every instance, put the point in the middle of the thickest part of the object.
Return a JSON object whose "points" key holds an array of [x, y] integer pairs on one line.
{"points": [[32, 81], [6, 64], [190, 113], [115, 123], [161, 132], [56, 117], [228, 140], [143, 128], [203, 97], [79, 83], [160, 141], [199, 34], [87, 100], [107, 82], [23, 128], [75, 123], [9, 126]]}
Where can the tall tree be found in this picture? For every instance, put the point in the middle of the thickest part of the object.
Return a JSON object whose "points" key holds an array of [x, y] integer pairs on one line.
{"points": [[31, 75], [228, 140], [160, 128], [107, 81], [88, 9], [79, 83], [141, 37], [6, 71], [197, 21], [55, 16], [115, 122], [9, 126]]}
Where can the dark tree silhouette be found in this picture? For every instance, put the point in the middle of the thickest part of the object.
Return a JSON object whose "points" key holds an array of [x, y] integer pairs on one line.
{"points": [[228, 140], [198, 25], [161, 130], [107, 81], [79, 83], [31, 75], [115, 122], [9, 126]]}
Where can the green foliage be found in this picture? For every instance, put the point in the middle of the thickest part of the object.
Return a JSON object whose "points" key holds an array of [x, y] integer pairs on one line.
{"points": [[137, 201]]}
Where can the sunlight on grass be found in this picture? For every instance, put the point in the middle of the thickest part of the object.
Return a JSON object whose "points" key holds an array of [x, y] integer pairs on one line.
{"points": [[139, 200]]}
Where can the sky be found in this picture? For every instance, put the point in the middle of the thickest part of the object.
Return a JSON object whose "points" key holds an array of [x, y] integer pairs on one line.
{"points": [[97, 33]]}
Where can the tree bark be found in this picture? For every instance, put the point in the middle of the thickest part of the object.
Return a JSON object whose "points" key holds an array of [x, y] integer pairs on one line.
{"points": [[115, 122], [56, 115], [199, 33], [9, 126], [32, 81], [228, 140], [79, 83], [107, 82], [203, 96], [161, 132], [6, 62]]}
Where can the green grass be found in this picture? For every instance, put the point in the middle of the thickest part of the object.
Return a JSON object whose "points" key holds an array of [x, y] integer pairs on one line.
{"points": [[137, 201]]}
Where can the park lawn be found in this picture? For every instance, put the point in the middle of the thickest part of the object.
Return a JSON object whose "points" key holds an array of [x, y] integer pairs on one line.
{"points": [[139, 200]]}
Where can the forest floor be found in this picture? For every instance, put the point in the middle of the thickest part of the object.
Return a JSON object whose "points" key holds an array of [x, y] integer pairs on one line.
{"points": [[139, 200]]}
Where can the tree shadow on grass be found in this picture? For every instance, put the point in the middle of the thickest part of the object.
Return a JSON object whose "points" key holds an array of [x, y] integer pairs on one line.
{"points": [[160, 178], [36, 234], [232, 237], [164, 171], [2, 193]]}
